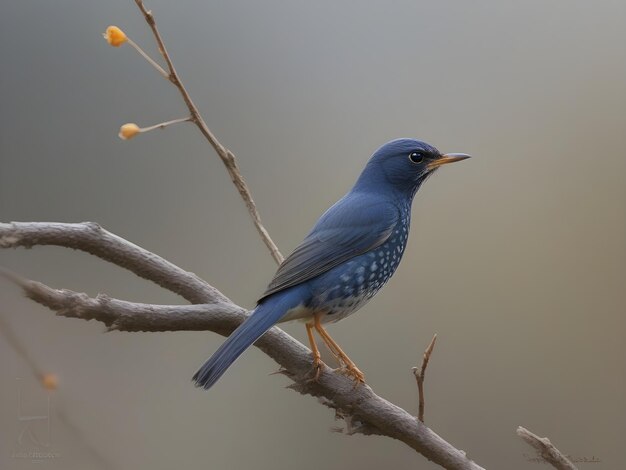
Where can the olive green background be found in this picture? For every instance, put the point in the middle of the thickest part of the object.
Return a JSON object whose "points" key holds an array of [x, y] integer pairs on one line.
{"points": [[517, 257]]}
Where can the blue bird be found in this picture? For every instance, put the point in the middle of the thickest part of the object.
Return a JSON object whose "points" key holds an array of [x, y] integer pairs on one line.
{"points": [[352, 251]]}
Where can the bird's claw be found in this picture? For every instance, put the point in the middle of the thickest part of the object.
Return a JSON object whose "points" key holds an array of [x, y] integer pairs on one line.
{"points": [[353, 372], [317, 368]]}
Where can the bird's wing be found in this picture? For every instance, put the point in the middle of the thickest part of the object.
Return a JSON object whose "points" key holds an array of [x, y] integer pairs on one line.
{"points": [[355, 224]]}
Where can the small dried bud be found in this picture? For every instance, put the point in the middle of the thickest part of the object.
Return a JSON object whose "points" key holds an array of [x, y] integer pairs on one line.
{"points": [[49, 381], [115, 36], [129, 130]]}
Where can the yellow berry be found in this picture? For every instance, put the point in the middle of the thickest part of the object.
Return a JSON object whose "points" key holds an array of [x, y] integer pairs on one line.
{"points": [[128, 131], [49, 381], [115, 36]]}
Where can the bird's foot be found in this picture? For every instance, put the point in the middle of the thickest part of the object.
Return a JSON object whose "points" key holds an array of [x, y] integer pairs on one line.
{"points": [[346, 366], [352, 371], [317, 367]]}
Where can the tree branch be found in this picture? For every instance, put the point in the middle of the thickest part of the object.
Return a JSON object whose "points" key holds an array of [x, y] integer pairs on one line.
{"points": [[227, 157], [221, 317], [546, 449], [363, 410], [93, 239]]}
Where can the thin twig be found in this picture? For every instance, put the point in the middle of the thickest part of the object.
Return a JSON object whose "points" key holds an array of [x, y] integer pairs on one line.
{"points": [[420, 374], [148, 58], [546, 449], [163, 125], [227, 157]]}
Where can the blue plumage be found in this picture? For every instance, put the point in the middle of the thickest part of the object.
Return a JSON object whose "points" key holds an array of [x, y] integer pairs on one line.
{"points": [[262, 319], [350, 253]]}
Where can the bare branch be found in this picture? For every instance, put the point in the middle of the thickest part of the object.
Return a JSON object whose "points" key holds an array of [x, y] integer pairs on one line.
{"points": [[93, 239], [546, 449], [420, 374], [227, 157], [363, 410], [222, 317]]}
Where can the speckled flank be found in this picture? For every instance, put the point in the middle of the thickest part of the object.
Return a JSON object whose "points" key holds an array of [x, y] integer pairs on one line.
{"points": [[361, 277]]}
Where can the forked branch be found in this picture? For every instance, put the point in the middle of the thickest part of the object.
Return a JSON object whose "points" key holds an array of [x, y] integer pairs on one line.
{"points": [[363, 410], [227, 157]]}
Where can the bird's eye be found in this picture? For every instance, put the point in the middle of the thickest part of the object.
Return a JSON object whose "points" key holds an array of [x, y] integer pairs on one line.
{"points": [[416, 157]]}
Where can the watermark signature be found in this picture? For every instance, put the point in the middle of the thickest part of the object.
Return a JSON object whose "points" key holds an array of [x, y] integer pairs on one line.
{"points": [[537, 458], [34, 438]]}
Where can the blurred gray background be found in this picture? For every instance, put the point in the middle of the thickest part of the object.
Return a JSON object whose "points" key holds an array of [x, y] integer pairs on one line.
{"points": [[517, 258]]}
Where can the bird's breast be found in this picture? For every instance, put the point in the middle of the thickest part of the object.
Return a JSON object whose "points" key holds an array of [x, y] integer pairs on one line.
{"points": [[347, 287]]}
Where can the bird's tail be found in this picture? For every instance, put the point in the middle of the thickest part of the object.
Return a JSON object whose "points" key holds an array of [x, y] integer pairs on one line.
{"points": [[264, 316]]}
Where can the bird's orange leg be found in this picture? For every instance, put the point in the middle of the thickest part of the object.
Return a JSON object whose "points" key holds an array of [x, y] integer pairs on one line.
{"points": [[350, 367], [317, 357]]}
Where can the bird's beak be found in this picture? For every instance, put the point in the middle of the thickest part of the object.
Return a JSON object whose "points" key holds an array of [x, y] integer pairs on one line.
{"points": [[447, 158]]}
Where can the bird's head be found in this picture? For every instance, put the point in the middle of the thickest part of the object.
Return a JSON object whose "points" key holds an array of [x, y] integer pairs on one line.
{"points": [[404, 164]]}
